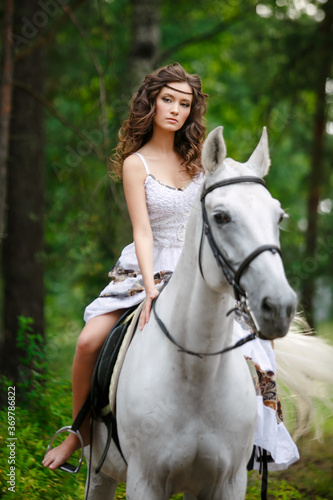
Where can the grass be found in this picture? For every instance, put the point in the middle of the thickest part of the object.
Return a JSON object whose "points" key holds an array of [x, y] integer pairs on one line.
{"points": [[311, 478]]}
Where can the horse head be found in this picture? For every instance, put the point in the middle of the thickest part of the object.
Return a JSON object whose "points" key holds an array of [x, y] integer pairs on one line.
{"points": [[241, 224]]}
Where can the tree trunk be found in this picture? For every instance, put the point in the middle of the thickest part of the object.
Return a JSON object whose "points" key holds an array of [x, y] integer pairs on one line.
{"points": [[145, 40], [325, 58], [6, 105], [23, 243]]}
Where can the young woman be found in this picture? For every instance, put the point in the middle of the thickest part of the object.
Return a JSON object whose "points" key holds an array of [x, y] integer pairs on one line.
{"points": [[159, 159]]}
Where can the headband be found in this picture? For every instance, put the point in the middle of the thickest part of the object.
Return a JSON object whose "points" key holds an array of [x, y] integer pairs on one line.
{"points": [[176, 90]]}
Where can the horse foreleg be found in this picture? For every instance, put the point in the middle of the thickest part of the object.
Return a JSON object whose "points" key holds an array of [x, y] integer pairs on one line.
{"points": [[144, 490], [144, 484], [233, 488], [100, 487]]}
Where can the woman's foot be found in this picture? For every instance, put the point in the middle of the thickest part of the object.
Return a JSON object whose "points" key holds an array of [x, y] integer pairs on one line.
{"points": [[59, 455]]}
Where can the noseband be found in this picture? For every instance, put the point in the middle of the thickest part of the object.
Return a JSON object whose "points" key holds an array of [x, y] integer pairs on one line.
{"points": [[233, 276]]}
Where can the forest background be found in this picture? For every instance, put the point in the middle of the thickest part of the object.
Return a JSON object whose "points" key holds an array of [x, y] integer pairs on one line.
{"points": [[69, 68]]}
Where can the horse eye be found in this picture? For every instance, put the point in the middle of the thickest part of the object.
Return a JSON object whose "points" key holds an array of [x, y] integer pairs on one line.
{"points": [[222, 218]]}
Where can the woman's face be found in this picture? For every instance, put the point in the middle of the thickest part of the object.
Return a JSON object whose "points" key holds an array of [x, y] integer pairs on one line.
{"points": [[173, 106]]}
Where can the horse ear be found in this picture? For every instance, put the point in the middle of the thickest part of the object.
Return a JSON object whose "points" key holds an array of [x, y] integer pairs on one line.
{"points": [[214, 150], [260, 160]]}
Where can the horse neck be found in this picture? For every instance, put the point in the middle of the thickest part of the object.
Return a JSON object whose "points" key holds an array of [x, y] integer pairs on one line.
{"points": [[197, 311], [196, 315], [196, 318]]}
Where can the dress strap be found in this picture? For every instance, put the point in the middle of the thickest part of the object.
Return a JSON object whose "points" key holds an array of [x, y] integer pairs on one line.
{"points": [[144, 162]]}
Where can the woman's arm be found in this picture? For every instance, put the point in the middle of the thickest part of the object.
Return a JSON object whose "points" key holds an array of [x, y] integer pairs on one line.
{"points": [[134, 177]]}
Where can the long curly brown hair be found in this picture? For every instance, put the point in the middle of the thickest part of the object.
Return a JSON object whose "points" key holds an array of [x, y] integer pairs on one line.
{"points": [[137, 130]]}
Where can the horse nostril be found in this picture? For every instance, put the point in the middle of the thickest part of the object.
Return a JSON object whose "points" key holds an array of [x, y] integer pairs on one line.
{"points": [[290, 311], [267, 305], [273, 310]]}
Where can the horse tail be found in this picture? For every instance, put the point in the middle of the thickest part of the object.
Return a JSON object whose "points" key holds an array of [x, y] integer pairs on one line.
{"points": [[305, 377]]}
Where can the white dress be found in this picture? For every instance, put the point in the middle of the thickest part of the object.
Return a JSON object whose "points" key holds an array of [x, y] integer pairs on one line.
{"points": [[168, 210]]}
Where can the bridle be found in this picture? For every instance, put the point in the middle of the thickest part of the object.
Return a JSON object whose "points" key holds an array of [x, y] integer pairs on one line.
{"points": [[233, 276]]}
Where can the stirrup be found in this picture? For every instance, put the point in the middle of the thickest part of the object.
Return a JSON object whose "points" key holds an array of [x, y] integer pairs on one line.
{"points": [[67, 467]]}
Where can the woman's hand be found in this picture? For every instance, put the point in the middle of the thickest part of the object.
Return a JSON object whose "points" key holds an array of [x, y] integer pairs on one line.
{"points": [[145, 313]]}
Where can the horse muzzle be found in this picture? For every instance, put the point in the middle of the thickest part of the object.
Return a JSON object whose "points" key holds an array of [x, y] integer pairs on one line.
{"points": [[275, 314]]}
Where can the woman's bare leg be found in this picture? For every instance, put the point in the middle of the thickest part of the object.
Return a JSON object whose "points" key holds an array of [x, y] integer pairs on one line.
{"points": [[87, 350]]}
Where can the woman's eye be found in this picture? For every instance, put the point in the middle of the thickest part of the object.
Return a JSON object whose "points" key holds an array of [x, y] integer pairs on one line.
{"points": [[222, 218], [166, 99], [185, 104]]}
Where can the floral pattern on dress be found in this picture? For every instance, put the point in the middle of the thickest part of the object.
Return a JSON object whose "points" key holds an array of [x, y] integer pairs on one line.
{"points": [[264, 381], [118, 275], [265, 385]]}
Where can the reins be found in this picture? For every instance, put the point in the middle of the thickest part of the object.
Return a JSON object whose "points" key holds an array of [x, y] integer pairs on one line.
{"points": [[233, 276], [200, 355]]}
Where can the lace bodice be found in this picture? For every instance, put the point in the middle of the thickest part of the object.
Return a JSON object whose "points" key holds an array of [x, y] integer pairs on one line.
{"points": [[168, 210]]}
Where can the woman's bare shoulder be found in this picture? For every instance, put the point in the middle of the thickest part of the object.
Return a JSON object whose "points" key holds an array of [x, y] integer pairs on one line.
{"points": [[134, 167]]}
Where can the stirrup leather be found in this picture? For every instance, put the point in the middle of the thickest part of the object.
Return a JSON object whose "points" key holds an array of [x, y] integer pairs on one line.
{"points": [[67, 467]]}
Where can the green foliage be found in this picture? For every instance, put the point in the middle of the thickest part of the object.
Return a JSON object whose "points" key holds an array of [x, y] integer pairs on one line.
{"points": [[36, 421], [31, 344], [277, 489], [43, 404]]}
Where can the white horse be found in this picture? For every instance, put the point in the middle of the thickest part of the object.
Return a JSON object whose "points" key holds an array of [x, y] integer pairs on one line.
{"points": [[185, 422]]}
